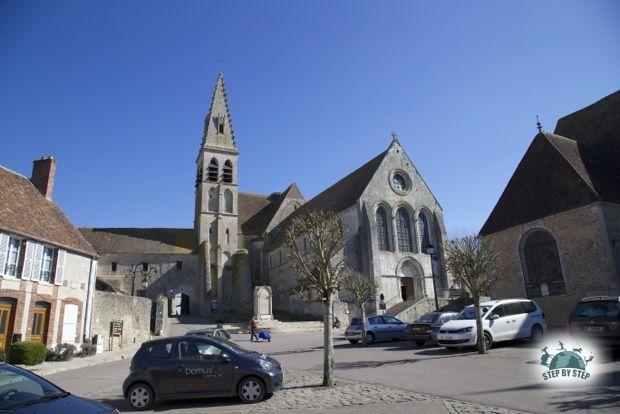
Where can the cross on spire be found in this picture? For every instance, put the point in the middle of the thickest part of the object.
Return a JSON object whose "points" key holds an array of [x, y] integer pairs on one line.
{"points": [[221, 61], [394, 135], [538, 124]]}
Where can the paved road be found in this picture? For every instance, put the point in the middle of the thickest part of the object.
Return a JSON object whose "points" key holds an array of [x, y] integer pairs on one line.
{"points": [[506, 377]]}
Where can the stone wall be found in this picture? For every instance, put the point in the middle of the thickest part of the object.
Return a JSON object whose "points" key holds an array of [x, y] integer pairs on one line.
{"points": [[585, 256], [135, 312]]}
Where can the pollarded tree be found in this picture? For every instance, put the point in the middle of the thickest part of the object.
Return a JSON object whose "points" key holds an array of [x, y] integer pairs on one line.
{"points": [[363, 289], [319, 264], [471, 259]]}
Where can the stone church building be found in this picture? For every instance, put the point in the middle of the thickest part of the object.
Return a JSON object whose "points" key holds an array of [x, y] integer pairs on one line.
{"points": [[392, 223], [556, 226]]}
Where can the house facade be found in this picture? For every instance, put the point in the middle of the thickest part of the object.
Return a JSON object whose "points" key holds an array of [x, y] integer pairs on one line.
{"points": [[47, 268], [556, 227]]}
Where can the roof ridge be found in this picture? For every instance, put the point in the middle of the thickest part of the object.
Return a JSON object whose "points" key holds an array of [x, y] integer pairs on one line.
{"points": [[15, 172]]}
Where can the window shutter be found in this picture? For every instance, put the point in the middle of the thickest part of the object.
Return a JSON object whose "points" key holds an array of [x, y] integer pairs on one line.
{"points": [[60, 266], [36, 265], [28, 258], [4, 244]]}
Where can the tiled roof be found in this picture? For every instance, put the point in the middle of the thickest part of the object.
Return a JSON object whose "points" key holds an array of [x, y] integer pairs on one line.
{"points": [[336, 199], [141, 240], [258, 224], [25, 211], [251, 214]]}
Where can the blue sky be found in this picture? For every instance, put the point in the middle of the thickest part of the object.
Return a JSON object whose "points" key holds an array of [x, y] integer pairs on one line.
{"points": [[117, 92]]}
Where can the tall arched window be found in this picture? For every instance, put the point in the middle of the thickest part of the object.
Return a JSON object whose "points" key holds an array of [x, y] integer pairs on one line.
{"points": [[213, 201], [227, 172], [541, 264], [425, 234], [227, 236], [382, 229], [213, 170], [403, 230], [228, 201]]}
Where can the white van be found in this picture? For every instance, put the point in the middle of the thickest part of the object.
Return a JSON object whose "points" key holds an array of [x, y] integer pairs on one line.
{"points": [[502, 320]]}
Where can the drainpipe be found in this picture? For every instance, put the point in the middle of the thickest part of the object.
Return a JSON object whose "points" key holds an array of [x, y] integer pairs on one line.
{"points": [[92, 276]]}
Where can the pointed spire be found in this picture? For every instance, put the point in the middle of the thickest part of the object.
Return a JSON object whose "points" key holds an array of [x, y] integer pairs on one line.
{"points": [[218, 131]]}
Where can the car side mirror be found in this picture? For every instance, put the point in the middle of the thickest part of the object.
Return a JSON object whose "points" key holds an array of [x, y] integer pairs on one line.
{"points": [[226, 357], [494, 316]]}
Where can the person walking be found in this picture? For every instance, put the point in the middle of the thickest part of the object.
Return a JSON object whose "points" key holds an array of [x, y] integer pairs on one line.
{"points": [[253, 330]]}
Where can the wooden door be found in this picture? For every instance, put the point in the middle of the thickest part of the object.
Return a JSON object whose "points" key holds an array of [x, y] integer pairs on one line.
{"points": [[6, 326], [40, 323]]}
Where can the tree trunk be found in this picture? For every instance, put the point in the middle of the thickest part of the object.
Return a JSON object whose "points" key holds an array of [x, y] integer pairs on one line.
{"points": [[364, 337], [328, 343], [482, 348]]}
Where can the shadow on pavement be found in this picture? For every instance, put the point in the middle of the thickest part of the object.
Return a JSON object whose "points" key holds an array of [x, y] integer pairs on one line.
{"points": [[168, 405]]}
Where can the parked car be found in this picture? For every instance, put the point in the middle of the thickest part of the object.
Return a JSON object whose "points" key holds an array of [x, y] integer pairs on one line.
{"points": [[217, 333], [427, 326], [23, 392], [597, 318], [378, 328], [502, 320], [195, 367]]}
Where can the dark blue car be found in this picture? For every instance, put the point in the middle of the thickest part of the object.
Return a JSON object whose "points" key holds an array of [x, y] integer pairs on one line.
{"points": [[23, 392], [198, 367]]}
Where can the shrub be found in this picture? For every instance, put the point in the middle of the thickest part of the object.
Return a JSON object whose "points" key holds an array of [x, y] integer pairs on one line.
{"points": [[62, 352], [2, 356], [27, 353], [88, 349]]}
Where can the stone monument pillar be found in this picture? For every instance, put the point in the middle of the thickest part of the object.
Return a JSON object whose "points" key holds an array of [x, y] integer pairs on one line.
{"points": [[262, 303]]}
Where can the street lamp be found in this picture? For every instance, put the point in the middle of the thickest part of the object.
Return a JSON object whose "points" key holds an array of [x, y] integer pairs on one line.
{"points": [[430, 249], [146, 271]]}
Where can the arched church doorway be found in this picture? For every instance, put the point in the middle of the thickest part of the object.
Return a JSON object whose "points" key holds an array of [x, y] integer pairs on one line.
{"points": [[411, 280], [179, 305]]}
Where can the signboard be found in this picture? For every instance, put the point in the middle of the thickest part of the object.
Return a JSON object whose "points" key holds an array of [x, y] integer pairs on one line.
{"points": [[116, 327]]}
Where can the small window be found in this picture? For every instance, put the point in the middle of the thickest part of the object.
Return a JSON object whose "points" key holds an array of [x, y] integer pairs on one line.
{"points": [[12, 257], [145, 267], [46, 264], [227, 172], [161, 350], [114, 265], [179, 265], [227, 236], [213, 170]]}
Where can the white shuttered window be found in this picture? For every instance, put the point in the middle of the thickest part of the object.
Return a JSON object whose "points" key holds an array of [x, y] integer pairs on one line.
{"points": [[4, 244], [28, 260], [60, 267]]}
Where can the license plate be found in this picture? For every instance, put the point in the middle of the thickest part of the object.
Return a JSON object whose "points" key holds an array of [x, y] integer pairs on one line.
{"points": [[594, 328], [448, 338]]}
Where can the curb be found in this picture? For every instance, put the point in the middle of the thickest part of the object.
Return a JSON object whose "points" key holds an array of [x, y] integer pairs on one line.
{"points": [[87, 362]]}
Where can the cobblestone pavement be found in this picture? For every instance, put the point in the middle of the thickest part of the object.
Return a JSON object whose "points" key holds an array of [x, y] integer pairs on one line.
{"points": [[303, 391]]}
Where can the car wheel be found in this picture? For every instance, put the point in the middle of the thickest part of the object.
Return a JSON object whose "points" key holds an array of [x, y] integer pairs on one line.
{"points": [[536, 335], [140, 396], [353, 341], [370, 337], [488, 341], [251, 390], [420, 344]]}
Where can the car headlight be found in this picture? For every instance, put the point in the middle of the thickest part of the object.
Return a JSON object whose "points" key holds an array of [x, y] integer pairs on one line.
{"points": [[264, 364], [465, 330]]}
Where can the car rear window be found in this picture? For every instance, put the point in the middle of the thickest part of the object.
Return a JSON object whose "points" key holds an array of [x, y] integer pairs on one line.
{"points": [[356, 321], [429, 318], [597, 309], [161, 350], [529, 306]]}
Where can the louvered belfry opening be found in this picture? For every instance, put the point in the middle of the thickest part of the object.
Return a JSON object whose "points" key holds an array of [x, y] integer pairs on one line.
{"points": [[227, 173], [212, 170]]}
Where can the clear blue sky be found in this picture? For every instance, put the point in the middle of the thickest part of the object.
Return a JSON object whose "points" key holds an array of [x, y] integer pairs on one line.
{"points": [[117, 92]]}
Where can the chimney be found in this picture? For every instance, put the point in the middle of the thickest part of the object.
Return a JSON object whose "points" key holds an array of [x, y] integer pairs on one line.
{"points": [[43, 174]]}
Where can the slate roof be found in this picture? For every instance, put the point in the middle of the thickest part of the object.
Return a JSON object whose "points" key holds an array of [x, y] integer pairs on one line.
{"points": [[336, 199], [141, 240], [252, 212], [258, 224], [26, 212], [577, 165]]}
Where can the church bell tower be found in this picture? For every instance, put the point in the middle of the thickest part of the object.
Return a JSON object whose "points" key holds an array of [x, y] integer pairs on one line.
{"points": [[216, 213]]}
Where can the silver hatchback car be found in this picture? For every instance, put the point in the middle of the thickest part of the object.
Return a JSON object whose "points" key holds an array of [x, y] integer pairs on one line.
{"points": [[378, 328]]}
